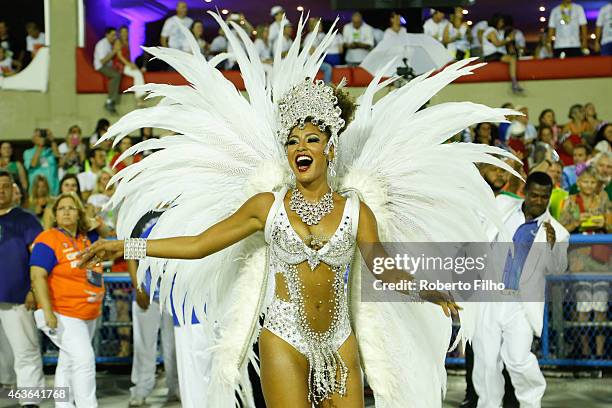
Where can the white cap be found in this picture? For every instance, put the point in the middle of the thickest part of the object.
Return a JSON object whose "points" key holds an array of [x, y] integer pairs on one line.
{"points": [[275, 10], [517, 128], [233, 17]]}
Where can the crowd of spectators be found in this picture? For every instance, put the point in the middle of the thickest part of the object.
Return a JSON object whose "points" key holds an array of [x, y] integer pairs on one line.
{"points": [[54, 166], [496, 39], [13, 57]]}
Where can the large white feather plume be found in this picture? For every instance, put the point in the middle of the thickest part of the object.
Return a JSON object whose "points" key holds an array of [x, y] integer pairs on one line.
{"points": [[225, 150]]}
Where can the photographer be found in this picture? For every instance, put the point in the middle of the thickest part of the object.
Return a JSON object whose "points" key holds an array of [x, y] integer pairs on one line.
{"points": [[42, 159]]}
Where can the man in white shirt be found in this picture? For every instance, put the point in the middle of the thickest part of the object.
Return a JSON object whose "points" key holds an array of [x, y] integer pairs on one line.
{"points": [[477, 31], [435, 25], [507, 324], [88, 179], [286, 40], [218, 44], [103, 63], [358, 39], [171, 35], [603, 30], [277, 13], [568, 25]]}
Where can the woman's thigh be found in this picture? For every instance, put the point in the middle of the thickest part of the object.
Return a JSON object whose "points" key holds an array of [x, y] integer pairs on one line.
{"points": [[354, 383], [284, 373]]}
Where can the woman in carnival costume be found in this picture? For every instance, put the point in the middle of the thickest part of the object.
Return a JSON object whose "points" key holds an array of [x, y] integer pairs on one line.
{"points": [[284, 202]]}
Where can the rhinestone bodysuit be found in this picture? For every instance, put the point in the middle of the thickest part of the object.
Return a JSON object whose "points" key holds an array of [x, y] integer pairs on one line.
{"points": [[288, 319]]}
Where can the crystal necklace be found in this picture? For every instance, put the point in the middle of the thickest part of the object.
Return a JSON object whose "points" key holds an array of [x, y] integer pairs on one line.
{"points": [[311, 212]]}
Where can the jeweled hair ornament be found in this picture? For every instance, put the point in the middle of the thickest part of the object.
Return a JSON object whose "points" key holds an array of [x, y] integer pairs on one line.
{"points": [[313, 100]]}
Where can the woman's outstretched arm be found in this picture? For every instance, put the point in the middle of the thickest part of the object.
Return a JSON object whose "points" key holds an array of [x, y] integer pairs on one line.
{"points": [[249, 218], [371, 248]]}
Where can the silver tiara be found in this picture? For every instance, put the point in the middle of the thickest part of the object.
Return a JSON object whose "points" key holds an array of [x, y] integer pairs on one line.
{"points": [[313, 100]]}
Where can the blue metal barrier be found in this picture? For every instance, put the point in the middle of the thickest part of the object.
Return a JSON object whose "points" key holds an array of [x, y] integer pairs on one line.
{"points": [[563, 336], [566, 335]]}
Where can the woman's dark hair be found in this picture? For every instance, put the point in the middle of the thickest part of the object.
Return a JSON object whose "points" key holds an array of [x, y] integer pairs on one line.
{"points": [[194, 23], [494, 133], [102, 123], [601, 134], [348, 106], [543, 128], [544, 112], [76, 179], [495, 20], [575, 106]]}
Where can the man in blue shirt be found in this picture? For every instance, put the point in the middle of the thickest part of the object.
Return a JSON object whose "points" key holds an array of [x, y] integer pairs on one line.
{"points": [[18, 229]]}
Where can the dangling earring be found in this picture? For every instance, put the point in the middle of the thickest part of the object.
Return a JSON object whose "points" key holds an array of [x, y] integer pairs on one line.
{"points": [[331, 168], [292, 180], [331, 164]]}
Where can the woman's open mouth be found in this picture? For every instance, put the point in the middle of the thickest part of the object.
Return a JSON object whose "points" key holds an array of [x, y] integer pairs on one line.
{"points": [[303, 162]]}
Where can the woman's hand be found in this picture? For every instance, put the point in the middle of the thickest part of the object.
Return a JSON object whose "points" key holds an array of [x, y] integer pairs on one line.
{"points": [[444, 300], [51, 319], [101, 251]]}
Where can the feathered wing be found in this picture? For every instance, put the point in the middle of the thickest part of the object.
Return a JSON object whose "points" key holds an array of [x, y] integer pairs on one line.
{"points": [[420, 190], [224, 151]]}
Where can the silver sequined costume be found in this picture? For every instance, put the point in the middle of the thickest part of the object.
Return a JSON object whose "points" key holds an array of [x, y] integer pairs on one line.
{"points": [[289, 320]]}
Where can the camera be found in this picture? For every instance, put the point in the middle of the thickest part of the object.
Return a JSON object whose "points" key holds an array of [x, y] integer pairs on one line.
{"points": [[406, 72]]}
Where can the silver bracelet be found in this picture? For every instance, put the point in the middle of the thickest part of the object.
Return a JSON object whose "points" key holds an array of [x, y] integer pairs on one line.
{"points": [[134, 248]]}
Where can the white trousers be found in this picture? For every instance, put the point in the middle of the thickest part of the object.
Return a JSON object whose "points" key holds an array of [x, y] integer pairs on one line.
{"points": [[24, 343], [504, 336], [7, 361], [76, 364], [135, 74], [194, 362], [146, 325]]}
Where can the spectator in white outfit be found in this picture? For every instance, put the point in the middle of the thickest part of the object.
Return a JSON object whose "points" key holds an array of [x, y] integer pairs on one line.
{"points": [[8, 378], [506, 328], [172, 36], [568, 25], [435, 25], [218, 44], [193, 356], [285, 39], [263, 45], [358, 39], [378, 35], [477, 32], [277, 13], [316, 31], [89, 178], [18, 229], [456, 35], [395, 32], [494, 41], [35, 39], [147, 320], [603, 30], [103, 63]]}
